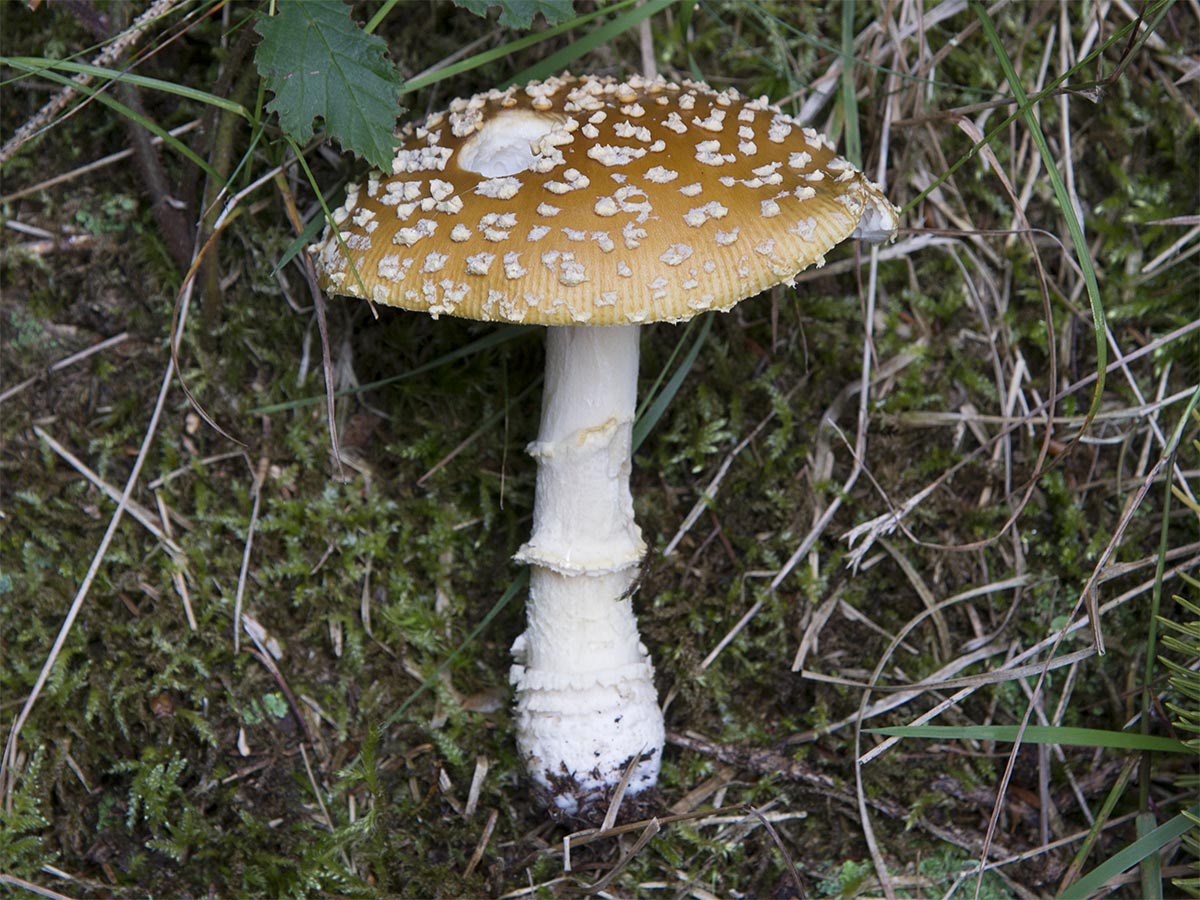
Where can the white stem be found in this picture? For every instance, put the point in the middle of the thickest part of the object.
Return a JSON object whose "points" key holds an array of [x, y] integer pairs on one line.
{"points": [[586, 704]]}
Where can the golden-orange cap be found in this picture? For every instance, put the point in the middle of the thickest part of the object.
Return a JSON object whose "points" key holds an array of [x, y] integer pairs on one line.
{"points": [[594, 201]]}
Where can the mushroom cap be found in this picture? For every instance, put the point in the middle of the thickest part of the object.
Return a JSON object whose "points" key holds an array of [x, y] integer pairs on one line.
{"points": [[595, 201]]}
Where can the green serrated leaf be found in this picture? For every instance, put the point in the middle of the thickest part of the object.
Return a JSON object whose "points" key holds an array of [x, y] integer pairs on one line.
{"points": [[520, 13], [318, 63]]}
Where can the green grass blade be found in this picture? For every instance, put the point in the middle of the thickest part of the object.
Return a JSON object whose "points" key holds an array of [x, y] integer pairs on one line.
{"points": [[1185, 418], [1039, 734], [650, 393], [1091, 883], [40, 65], [645, 422], [1060, 192], [1150, 864], [380, 14], [489, 56], [853, 141], [556, 62], [306, 237], [492, 339], [518, 584], [326, 214], [121, 109], [1115, 792]]}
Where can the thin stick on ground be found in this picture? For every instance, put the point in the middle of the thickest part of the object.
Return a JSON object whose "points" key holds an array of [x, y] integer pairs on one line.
{"points": [[64, 363], [178, 576], [484, 839], [31, 887], [138, 512], [94, 166], [260, 475]]}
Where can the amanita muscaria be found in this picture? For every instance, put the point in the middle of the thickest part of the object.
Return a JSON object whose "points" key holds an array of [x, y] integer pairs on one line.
{"points": [[593, 206]]}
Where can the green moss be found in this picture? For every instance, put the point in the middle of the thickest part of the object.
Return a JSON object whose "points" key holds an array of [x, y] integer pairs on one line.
{"points": [[847, 880]]}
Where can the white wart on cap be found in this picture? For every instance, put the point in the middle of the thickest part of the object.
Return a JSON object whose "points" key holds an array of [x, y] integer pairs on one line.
{"points": [[592, 201]]}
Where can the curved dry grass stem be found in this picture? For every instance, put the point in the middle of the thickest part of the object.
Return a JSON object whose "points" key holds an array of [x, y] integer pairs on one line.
{"points": [[260, 475]]}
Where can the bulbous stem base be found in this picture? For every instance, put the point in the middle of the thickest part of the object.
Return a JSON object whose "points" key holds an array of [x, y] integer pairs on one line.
{"points": [[586, 706]]}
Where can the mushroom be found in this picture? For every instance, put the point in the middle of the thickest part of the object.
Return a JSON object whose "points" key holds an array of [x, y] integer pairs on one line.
{"points": [[593, 206]]}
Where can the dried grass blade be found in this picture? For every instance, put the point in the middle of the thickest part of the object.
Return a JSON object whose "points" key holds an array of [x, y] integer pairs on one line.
{"points": [[648, 417], [1078, 241], [517, 585], [136, 510], [260, 476], [643, 839]]}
